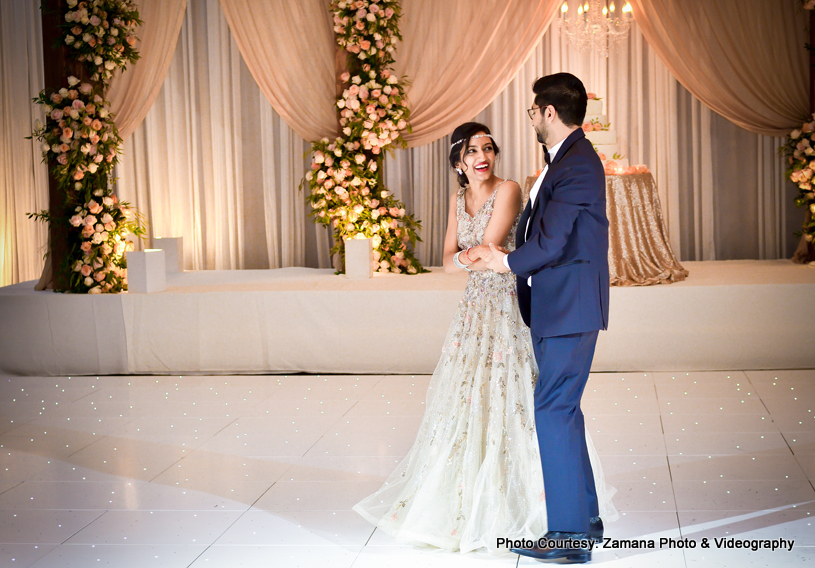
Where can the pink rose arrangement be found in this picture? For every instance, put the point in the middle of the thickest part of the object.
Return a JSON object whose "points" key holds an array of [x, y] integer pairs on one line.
{"points": [[345, 181], [103, 34], [799, 152], [81, 145], [595, 126]]}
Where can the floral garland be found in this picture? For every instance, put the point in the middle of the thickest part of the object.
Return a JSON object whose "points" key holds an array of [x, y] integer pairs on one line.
{"points": [[81, 144], [800, 153], [800, 156], [345, 181]]}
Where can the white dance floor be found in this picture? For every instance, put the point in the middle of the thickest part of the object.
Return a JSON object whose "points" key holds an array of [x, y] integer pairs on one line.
{"points": [[262, 471]]}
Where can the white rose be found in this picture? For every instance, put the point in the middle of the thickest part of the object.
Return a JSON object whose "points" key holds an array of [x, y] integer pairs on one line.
{"points": [[110, 65], [346, 131], [104, 113], [114, 32], [359, 158], [88, 281], [73, 81], [93, 167], [356, 80], [370, 17], [341, 103], [795, 134], [392, 79], [97, 60], [95, 290]]}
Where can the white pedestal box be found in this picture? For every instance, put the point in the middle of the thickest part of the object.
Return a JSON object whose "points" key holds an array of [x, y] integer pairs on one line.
{"points": [[146, 271], [173, 252], [358, 258]]}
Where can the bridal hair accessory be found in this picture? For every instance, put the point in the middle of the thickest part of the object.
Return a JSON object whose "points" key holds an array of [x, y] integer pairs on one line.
{"points": [[471, 137]]}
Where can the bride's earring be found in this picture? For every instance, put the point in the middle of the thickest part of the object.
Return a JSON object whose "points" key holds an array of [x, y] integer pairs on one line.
{"points": [[460, 171]]}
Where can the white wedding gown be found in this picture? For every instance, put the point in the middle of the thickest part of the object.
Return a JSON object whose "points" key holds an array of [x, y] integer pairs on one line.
{"points": [[474, 473]]}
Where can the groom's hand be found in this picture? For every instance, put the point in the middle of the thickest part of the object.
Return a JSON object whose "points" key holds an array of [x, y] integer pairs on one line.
{"points": [[496, 260]]}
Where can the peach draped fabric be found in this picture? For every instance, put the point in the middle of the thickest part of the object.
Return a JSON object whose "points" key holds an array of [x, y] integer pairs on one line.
{"points": [[745, 59], [290, 50], [133, 92], [459, 55]]}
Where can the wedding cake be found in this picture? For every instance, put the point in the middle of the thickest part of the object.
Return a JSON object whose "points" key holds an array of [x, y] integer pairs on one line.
{"points": [[601, 135]]}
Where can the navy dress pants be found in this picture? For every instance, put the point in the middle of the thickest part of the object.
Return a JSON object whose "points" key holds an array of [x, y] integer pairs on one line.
{"points": [[564, 363]]}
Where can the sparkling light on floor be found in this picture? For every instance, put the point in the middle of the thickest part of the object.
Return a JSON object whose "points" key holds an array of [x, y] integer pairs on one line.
{"points": [[262, 471]]}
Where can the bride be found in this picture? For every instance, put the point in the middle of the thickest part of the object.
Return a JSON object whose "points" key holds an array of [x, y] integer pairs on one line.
{"points": [[474, 472]]}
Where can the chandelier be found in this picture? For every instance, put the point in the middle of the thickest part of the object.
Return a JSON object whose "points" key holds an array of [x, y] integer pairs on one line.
{"points": [[597, 26]]}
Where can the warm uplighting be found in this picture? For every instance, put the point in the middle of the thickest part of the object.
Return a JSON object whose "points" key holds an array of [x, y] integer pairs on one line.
{"points": [[597, 25]]}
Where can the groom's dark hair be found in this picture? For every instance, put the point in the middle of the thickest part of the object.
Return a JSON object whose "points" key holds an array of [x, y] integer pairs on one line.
{"points": [[566, 93]]}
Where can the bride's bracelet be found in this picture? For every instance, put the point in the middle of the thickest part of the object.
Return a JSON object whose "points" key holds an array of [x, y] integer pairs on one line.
{"points": [[458, 263]]}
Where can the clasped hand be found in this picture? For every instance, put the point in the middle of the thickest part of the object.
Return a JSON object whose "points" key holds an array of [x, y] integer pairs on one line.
{"points": [[492, 255]]}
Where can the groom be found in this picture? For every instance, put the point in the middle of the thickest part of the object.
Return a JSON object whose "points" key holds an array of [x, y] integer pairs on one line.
{"points": [[561, 262]]}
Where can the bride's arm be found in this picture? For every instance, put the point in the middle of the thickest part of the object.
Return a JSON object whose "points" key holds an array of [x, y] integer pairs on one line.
{"points": [[451, 239], [508, 203]]}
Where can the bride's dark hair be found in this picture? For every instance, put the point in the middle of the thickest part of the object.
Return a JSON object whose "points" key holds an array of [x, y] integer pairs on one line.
{"points": [[460, 139]]}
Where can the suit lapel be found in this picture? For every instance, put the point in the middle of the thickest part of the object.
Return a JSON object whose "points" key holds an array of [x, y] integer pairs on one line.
{"points": [[567, 143], [538, 199]]}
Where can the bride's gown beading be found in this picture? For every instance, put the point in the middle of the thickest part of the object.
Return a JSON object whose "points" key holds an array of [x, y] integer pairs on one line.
{"points": [[474, 473]]}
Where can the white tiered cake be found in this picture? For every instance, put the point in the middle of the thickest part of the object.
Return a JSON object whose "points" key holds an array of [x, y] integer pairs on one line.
{"points": [[599, 133]]}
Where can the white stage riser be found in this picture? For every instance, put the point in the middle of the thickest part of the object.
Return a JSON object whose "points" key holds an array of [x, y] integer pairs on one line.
{"points": [[364, 330]]}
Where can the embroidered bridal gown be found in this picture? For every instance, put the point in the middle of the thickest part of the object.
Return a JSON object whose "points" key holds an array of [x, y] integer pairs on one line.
{"points": [[474, 471]]}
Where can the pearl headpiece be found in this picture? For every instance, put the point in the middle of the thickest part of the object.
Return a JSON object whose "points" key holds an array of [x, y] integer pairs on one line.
{"points": [[471, 137]]}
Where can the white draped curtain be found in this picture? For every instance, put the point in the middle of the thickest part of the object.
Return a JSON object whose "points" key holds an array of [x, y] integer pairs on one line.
{"points": [[213, 162], [23, 176]]}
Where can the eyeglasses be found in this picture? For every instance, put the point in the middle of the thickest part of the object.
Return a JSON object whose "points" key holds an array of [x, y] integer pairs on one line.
{"points": [[531, 111]]}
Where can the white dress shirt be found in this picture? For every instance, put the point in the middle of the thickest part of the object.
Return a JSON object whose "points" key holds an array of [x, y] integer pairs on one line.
{"points": [[533, 194]]}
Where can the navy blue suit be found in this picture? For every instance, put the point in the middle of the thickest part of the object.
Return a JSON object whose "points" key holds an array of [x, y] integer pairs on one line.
{"points": [[565, 251]]}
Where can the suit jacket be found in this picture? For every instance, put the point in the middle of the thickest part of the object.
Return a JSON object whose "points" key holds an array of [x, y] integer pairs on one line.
{"points": [[565, 248]]}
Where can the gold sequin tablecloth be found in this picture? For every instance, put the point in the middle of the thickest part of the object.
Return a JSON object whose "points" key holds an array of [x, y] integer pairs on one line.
{"points": [[639, 253]]}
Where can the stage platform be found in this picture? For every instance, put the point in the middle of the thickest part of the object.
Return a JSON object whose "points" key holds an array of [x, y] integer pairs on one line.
{"points": [[726, 315]]}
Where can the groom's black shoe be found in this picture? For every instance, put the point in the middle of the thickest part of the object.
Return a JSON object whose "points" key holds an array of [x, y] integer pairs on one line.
{"points": [[596, 529], [568, 547]]}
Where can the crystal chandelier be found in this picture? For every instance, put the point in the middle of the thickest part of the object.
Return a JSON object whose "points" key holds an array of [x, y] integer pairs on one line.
{"points": [[597, 26]]}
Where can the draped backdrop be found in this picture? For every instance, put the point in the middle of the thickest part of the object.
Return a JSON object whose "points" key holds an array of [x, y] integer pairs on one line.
{"points": [[217, 114]]}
